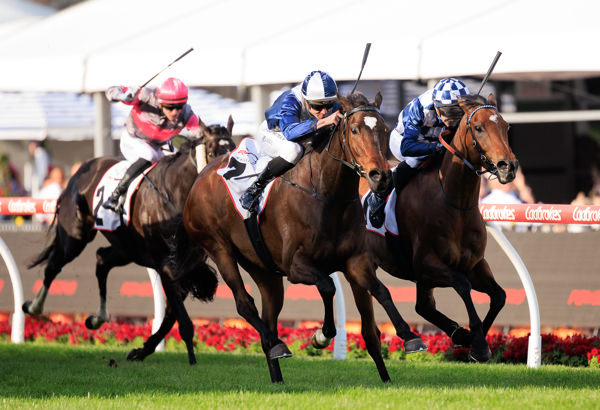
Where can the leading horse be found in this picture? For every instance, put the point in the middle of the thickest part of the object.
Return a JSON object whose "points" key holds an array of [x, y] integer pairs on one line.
{"points": [[157, 202], [312, 225], [441, 236]]}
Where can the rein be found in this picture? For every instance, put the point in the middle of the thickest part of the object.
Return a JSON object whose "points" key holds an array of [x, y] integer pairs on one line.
{"points": [[489, 165], [353, 164]]}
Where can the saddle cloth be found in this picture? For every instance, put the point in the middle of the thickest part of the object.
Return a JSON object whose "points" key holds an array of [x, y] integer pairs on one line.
{"points": [[245, 164], [390, 225], [106, 220]]}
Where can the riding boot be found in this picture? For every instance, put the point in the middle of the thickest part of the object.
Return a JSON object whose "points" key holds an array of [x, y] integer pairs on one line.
{"points": [[402, 174], [276, 167], [116, 199], [376, 202]]}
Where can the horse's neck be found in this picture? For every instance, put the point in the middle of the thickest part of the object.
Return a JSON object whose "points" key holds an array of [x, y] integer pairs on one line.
{"points": [[179, 178], [330, 177], [460, 183]]}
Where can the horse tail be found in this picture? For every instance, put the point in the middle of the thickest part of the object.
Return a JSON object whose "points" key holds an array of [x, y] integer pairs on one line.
{"points": [[190, 267], [43, 257]]}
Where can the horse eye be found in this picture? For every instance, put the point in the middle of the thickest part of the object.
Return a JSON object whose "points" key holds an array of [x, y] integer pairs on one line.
{"points": [[478, 128], [354, 130]]}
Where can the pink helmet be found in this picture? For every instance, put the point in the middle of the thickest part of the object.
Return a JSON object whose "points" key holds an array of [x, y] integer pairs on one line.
{"points": [[172, 91]]}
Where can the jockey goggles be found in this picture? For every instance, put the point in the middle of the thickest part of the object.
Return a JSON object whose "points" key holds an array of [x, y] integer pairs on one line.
{"points": [[318, 106], [171, 107], [450, 111]]}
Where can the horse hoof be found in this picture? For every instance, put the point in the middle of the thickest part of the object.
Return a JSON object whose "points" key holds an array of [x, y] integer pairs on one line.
{"points": [[92, 322], [279, 351], [414, 345], [136, 355], [462, 337], [319, 340], [481, 355], [25, 307]]}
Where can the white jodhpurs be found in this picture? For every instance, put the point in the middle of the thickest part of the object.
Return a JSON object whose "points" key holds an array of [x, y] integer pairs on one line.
{"points": [[395, 142], [274, 144], [134, 148]]}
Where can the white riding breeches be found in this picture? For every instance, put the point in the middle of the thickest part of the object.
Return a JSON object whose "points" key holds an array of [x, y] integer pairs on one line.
{"points": [[274, 144], [134, 148], [395, 142]]}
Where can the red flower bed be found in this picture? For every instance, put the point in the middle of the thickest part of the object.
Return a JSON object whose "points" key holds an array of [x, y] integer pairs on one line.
{"points": [[575, 350]]}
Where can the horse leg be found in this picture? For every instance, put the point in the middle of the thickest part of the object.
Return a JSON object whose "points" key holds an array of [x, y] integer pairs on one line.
{"points": [[139, 354], [483, 280], [369, 331], [175, 301], [426, 307], [272, 295], [322, 337], [106, 259], [63, 249], [480, 350], [245, 306], [357, 272]]}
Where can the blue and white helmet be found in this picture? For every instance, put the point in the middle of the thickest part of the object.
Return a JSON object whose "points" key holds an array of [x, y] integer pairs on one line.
{"points": [[447, 91], [319, 86]]}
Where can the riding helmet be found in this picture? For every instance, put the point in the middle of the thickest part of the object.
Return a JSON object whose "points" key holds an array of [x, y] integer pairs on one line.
{"points": [[319, 86], [172, 91], [447, 91]]}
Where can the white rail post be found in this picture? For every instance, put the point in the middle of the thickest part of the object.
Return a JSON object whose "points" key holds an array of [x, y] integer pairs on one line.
{"points": [[18, 319], [159, 305], [339, 343], [534, 350]]}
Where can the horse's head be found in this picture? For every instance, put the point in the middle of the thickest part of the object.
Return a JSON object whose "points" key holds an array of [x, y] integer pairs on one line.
{"points": [[217, 139], [363, 139], [484, 134]]}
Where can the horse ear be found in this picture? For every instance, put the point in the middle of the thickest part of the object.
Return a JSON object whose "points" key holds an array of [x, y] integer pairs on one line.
{"points": [[230, 125], [378, 100], [203, 128], [492, 100], [344, 102]]}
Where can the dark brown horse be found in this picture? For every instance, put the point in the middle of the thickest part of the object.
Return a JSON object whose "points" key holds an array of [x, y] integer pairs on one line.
{"points": [[441, 234], [158, 201], [312, 225]]}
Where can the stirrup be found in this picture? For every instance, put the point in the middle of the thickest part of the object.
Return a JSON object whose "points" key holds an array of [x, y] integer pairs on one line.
{"points": [[376, 211], [114, 205]]}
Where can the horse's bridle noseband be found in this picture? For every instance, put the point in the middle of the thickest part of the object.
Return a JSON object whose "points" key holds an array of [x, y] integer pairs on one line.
{"points": [[353, 164], [489, 166]]}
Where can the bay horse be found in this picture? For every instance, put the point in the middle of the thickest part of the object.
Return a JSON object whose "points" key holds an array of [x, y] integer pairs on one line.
{"points": [[159, 200], [312, 225], [442, 237]]}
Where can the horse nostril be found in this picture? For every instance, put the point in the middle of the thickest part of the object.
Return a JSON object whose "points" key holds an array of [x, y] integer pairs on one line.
{"points": [[375, 176]]}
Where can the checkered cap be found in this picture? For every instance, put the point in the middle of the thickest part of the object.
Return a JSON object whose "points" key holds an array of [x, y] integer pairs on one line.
{"points": [[446, 91]]}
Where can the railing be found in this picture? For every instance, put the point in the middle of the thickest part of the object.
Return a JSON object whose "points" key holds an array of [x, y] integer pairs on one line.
{"points": [[521, 213]]}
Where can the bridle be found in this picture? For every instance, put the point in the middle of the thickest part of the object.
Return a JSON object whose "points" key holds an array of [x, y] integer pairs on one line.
{"points": [[489, 166], [353, 164]]}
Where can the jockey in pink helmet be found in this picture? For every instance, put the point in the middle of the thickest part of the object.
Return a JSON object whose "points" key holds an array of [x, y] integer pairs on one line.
{"points": [[156, 115]]}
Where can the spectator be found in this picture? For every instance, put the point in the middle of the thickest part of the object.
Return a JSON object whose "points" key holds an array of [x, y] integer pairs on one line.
{"points": [[41, 164], [504, 194], [51, 189]]}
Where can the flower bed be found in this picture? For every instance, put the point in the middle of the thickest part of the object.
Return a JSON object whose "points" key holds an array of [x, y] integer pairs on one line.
{"points": [[575, 350]]}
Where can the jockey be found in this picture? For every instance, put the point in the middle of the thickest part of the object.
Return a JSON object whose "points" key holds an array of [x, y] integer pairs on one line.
{"points": [[156, 115], [415, 137], [294, 117]]}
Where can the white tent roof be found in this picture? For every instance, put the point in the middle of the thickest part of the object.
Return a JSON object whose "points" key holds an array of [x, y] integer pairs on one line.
{"points": [[99, 43]]}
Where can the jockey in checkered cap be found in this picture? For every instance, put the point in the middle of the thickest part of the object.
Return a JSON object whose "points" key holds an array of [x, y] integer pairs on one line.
{"points": [[415, 137]]}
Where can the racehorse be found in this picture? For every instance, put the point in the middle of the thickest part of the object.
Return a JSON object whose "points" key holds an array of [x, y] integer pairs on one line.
{"points": [[441, 234], [159, 199], [312, 225]]}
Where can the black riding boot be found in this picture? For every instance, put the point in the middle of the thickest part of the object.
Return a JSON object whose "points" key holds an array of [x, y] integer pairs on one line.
{"points": [[115, 202], [402, 174], [376, 202], [276, 167]]}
